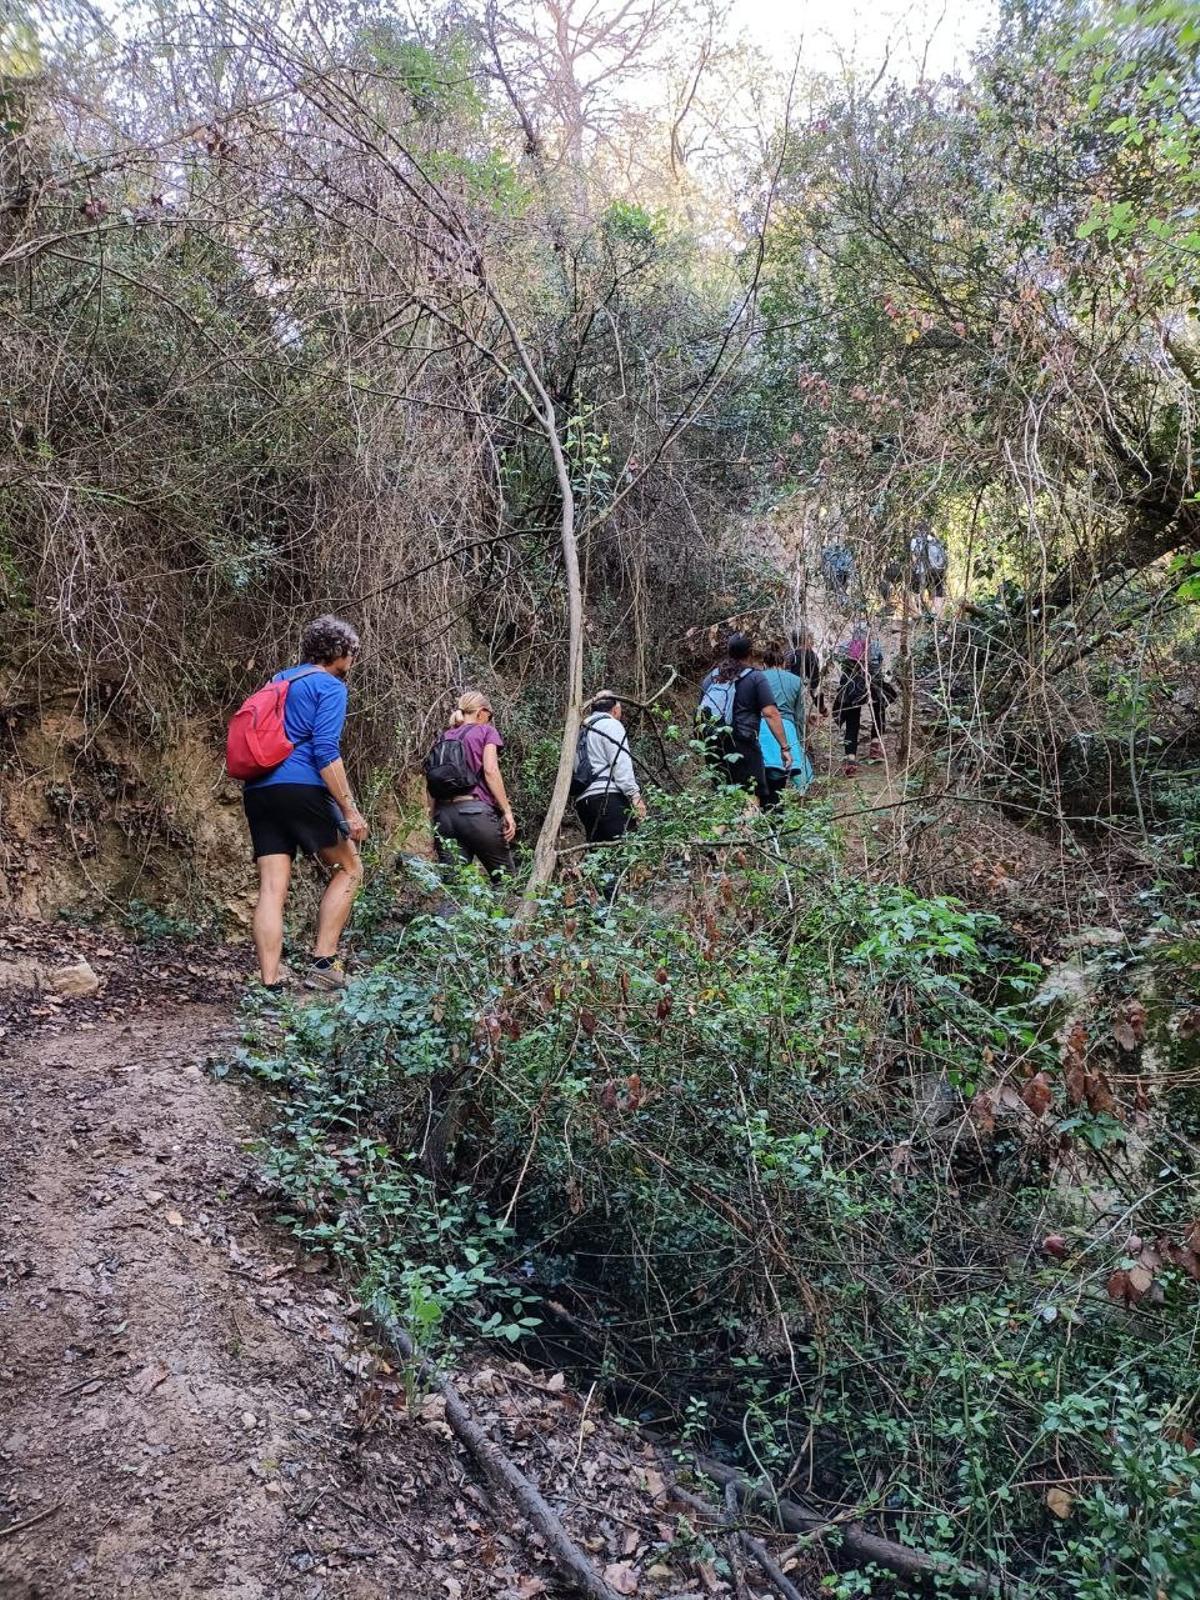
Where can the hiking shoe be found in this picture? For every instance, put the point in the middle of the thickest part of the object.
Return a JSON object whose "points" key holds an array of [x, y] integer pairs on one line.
{"points": [[850, 770], [330, 979], [876, 752]]}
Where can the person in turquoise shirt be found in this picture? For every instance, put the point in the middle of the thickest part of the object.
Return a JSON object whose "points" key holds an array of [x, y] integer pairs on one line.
{"points": [[790, 692]]}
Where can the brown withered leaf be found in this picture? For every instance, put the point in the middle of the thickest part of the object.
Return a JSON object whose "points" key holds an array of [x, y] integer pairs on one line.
{"points": [[983, 1111], [148, 1379], [1138, 1281], [1059, 1502], [1186, 1260], [1055, 1245], [621, 1576], [1036, 1094], [1129, 1029], [1075, 1045], [587, 1021], [1099, 1095], [1118, 1285], [656, 1484]]}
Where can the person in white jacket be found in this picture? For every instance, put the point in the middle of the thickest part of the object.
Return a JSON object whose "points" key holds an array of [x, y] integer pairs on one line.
{"points": [[612, 795]]}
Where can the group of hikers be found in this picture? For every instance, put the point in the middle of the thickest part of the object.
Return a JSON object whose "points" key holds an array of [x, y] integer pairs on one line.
{"points": [[754, 720], [923, 574], [284, 743]]}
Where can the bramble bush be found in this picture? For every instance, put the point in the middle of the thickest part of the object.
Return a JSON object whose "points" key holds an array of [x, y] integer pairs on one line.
{"points": [[799, 1165]]}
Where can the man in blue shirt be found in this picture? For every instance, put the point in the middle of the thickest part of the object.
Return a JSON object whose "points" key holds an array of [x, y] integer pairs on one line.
{"points": [[305, 804]]}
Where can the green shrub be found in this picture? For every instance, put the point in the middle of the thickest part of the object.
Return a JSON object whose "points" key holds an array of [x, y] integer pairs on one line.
{"points": [[785, 1148]]}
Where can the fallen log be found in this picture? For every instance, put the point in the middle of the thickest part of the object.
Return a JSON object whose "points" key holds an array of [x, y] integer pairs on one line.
{"points": [[498, 1468], [859, 1543], [753, 1547]]}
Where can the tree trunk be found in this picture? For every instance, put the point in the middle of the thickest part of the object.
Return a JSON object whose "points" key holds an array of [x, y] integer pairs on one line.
{"points": [[545, 851], [904, 748]]}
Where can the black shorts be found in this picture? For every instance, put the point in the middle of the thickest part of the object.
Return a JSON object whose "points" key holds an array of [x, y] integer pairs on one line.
{"points": [[286, 817]]}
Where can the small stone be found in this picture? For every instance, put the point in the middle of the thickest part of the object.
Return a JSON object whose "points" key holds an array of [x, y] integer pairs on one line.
{"points": [[78, 980], [303, 1416], [249, 1421]]}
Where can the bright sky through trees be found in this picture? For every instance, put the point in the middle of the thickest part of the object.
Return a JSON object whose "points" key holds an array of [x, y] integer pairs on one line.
{"points": [[940, 33]]}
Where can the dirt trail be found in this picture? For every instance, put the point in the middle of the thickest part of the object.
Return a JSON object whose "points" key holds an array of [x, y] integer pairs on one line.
{"points": [[187, 1407], [177, 1404]]}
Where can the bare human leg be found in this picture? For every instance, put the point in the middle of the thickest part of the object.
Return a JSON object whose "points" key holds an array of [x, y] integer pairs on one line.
{"points": [[338, 898], [274, 877]]}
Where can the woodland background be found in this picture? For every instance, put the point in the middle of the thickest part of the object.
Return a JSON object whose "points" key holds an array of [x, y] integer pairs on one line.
{"points": [[540, 341]]}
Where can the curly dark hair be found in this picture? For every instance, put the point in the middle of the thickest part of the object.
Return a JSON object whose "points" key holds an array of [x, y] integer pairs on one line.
{"points": [[327, 638]]}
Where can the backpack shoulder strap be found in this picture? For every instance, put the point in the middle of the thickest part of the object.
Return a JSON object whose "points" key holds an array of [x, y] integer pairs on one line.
{"points": [[278, 677]]}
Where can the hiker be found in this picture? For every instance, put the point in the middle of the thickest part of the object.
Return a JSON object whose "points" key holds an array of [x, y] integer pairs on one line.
{"points": [[734, 698], [805, 661], [928, 556], [303, 800], [862, 686], [837, 568], [468, 804], [789, 690], [604, 782]]}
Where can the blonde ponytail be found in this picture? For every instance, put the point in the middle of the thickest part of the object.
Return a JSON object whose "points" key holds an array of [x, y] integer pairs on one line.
{"points": [[469, 705]]}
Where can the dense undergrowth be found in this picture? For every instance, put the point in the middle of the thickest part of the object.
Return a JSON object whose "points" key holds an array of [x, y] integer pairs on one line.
{"points": [[815, 1173]]}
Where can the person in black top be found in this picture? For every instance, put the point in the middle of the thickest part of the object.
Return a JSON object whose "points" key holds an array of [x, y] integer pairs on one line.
{"points": [[734, 698], [806, 663]]}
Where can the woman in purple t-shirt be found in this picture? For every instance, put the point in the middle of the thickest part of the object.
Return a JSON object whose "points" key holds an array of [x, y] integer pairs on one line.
{"points": [[480, 822]]}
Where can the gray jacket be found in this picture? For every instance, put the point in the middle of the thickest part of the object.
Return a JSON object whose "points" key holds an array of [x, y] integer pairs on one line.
{"points": [[608, 754]]}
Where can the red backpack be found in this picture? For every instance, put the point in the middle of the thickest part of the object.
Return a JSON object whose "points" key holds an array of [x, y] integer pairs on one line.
{"points": [[257, 740]]}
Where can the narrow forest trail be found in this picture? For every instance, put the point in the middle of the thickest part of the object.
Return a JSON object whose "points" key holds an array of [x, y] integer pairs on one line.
{"points": [[189, 1406], [180, 1394]]}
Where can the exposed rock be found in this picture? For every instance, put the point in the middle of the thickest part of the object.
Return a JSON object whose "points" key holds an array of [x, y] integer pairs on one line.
{"points": [[77, 980], [20, 974]]}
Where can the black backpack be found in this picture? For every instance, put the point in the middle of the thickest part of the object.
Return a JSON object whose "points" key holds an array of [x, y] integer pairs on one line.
{"points": [[448, 770], [583, 773]]}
